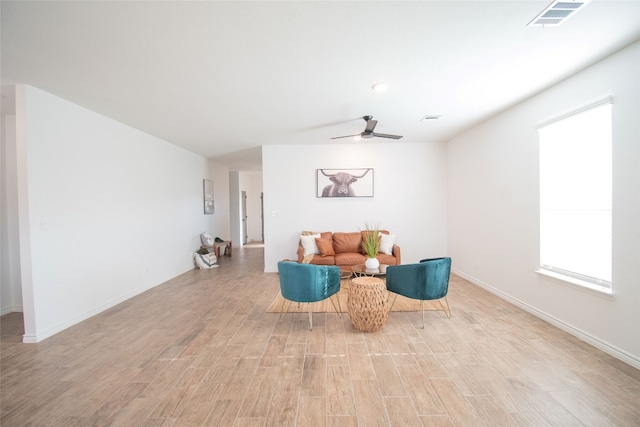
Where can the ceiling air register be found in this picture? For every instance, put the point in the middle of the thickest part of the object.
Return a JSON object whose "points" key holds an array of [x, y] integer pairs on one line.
{"points": [[557, 12]]}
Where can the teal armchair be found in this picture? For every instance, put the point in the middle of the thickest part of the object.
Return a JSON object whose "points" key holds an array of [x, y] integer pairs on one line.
{"points": [[426, 280], [308, 283]]}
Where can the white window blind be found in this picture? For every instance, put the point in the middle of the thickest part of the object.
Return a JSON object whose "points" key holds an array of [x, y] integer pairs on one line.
{"points": [[575, 196]]}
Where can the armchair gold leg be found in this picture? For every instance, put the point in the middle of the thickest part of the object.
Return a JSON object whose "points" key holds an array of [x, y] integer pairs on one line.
{"points": [[394, 300], [282, 310], [310, 317], [337, 309], [448, 309]]}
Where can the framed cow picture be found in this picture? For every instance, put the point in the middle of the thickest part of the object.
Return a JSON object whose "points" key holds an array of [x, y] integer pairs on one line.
{"points": [[344, 182]]}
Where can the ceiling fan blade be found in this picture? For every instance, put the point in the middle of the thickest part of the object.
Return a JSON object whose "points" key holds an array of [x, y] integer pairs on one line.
{"points": [[368, 131], [371, 125], [346, 136], [386, 135]]}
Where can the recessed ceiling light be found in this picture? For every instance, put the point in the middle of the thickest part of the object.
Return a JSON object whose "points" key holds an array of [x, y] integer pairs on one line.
{"points": [[380, 87], [557, 12], [430, 117]]}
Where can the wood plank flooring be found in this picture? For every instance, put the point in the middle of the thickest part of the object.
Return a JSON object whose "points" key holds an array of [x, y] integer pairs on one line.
{"points": [[200, 350]]}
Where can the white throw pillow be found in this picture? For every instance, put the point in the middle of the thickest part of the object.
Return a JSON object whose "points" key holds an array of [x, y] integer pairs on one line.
{"points": [[309, 244], [206, 239], [386, 243]]}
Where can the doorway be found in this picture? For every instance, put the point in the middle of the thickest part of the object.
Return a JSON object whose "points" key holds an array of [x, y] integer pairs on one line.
{"points": [[243, 215]]}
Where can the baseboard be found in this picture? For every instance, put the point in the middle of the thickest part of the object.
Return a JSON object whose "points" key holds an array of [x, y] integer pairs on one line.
{"points": [[12, 309], [42, 335], [585, 336]]}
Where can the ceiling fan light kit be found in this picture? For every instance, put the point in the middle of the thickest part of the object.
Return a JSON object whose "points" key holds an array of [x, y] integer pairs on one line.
{"points": [[369, 131]]}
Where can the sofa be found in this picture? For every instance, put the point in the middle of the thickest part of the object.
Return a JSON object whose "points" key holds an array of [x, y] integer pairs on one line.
{"points": [[344, 249]]}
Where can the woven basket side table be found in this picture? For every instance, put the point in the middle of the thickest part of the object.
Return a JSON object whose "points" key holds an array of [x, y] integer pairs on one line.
{"points": [[367, 303]]}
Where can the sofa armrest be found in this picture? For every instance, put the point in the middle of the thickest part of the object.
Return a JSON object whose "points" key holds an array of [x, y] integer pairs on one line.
{"points": [[396, 253]]}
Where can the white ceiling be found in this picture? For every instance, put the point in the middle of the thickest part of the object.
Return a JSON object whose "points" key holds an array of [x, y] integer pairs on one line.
{"points": [[223, 78]]}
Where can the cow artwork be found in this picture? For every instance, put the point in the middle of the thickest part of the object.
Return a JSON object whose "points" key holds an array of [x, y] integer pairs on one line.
{"points": [[342, 182]]}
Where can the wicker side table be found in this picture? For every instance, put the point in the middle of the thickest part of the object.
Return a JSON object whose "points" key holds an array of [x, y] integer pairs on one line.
{"points": [[367, 303]]}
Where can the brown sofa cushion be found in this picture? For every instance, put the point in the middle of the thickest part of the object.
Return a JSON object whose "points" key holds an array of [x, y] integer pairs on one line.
{"points": [[347, 242], [320, 260], [325, 246], [386, 259], [350, 258]]}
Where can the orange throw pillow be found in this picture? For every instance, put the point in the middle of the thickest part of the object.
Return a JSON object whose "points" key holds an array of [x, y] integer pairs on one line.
{"points": [[325, 246]]}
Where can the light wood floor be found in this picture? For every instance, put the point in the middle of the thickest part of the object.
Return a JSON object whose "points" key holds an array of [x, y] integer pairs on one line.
{"points": [[200, 350]]}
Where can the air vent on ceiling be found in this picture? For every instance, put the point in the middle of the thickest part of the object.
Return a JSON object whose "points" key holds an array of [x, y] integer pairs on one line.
{"points": [[430, 117], [557, 12]]}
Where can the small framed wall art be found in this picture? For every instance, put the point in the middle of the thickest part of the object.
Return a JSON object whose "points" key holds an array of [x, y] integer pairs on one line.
{"points": [[344, 182], [207, 188]]}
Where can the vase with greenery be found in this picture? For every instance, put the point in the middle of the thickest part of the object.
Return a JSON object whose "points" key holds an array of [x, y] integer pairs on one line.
{"points": [[371, 245]]}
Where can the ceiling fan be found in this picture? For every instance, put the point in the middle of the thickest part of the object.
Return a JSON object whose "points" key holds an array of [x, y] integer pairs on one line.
{"points": [[368, 131]]}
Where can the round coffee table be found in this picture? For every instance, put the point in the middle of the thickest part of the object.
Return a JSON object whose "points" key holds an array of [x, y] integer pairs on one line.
{"points": [[367, 303]]}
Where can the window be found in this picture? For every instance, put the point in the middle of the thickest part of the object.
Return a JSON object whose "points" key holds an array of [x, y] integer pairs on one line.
{"points": [[575, 197]]}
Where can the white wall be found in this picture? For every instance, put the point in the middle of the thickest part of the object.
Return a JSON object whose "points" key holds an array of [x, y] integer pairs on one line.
{"points": [[409, 195], [235, 222], [251, 182], [493, 207], [106, 211], [219, 222], [10, 285]]}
